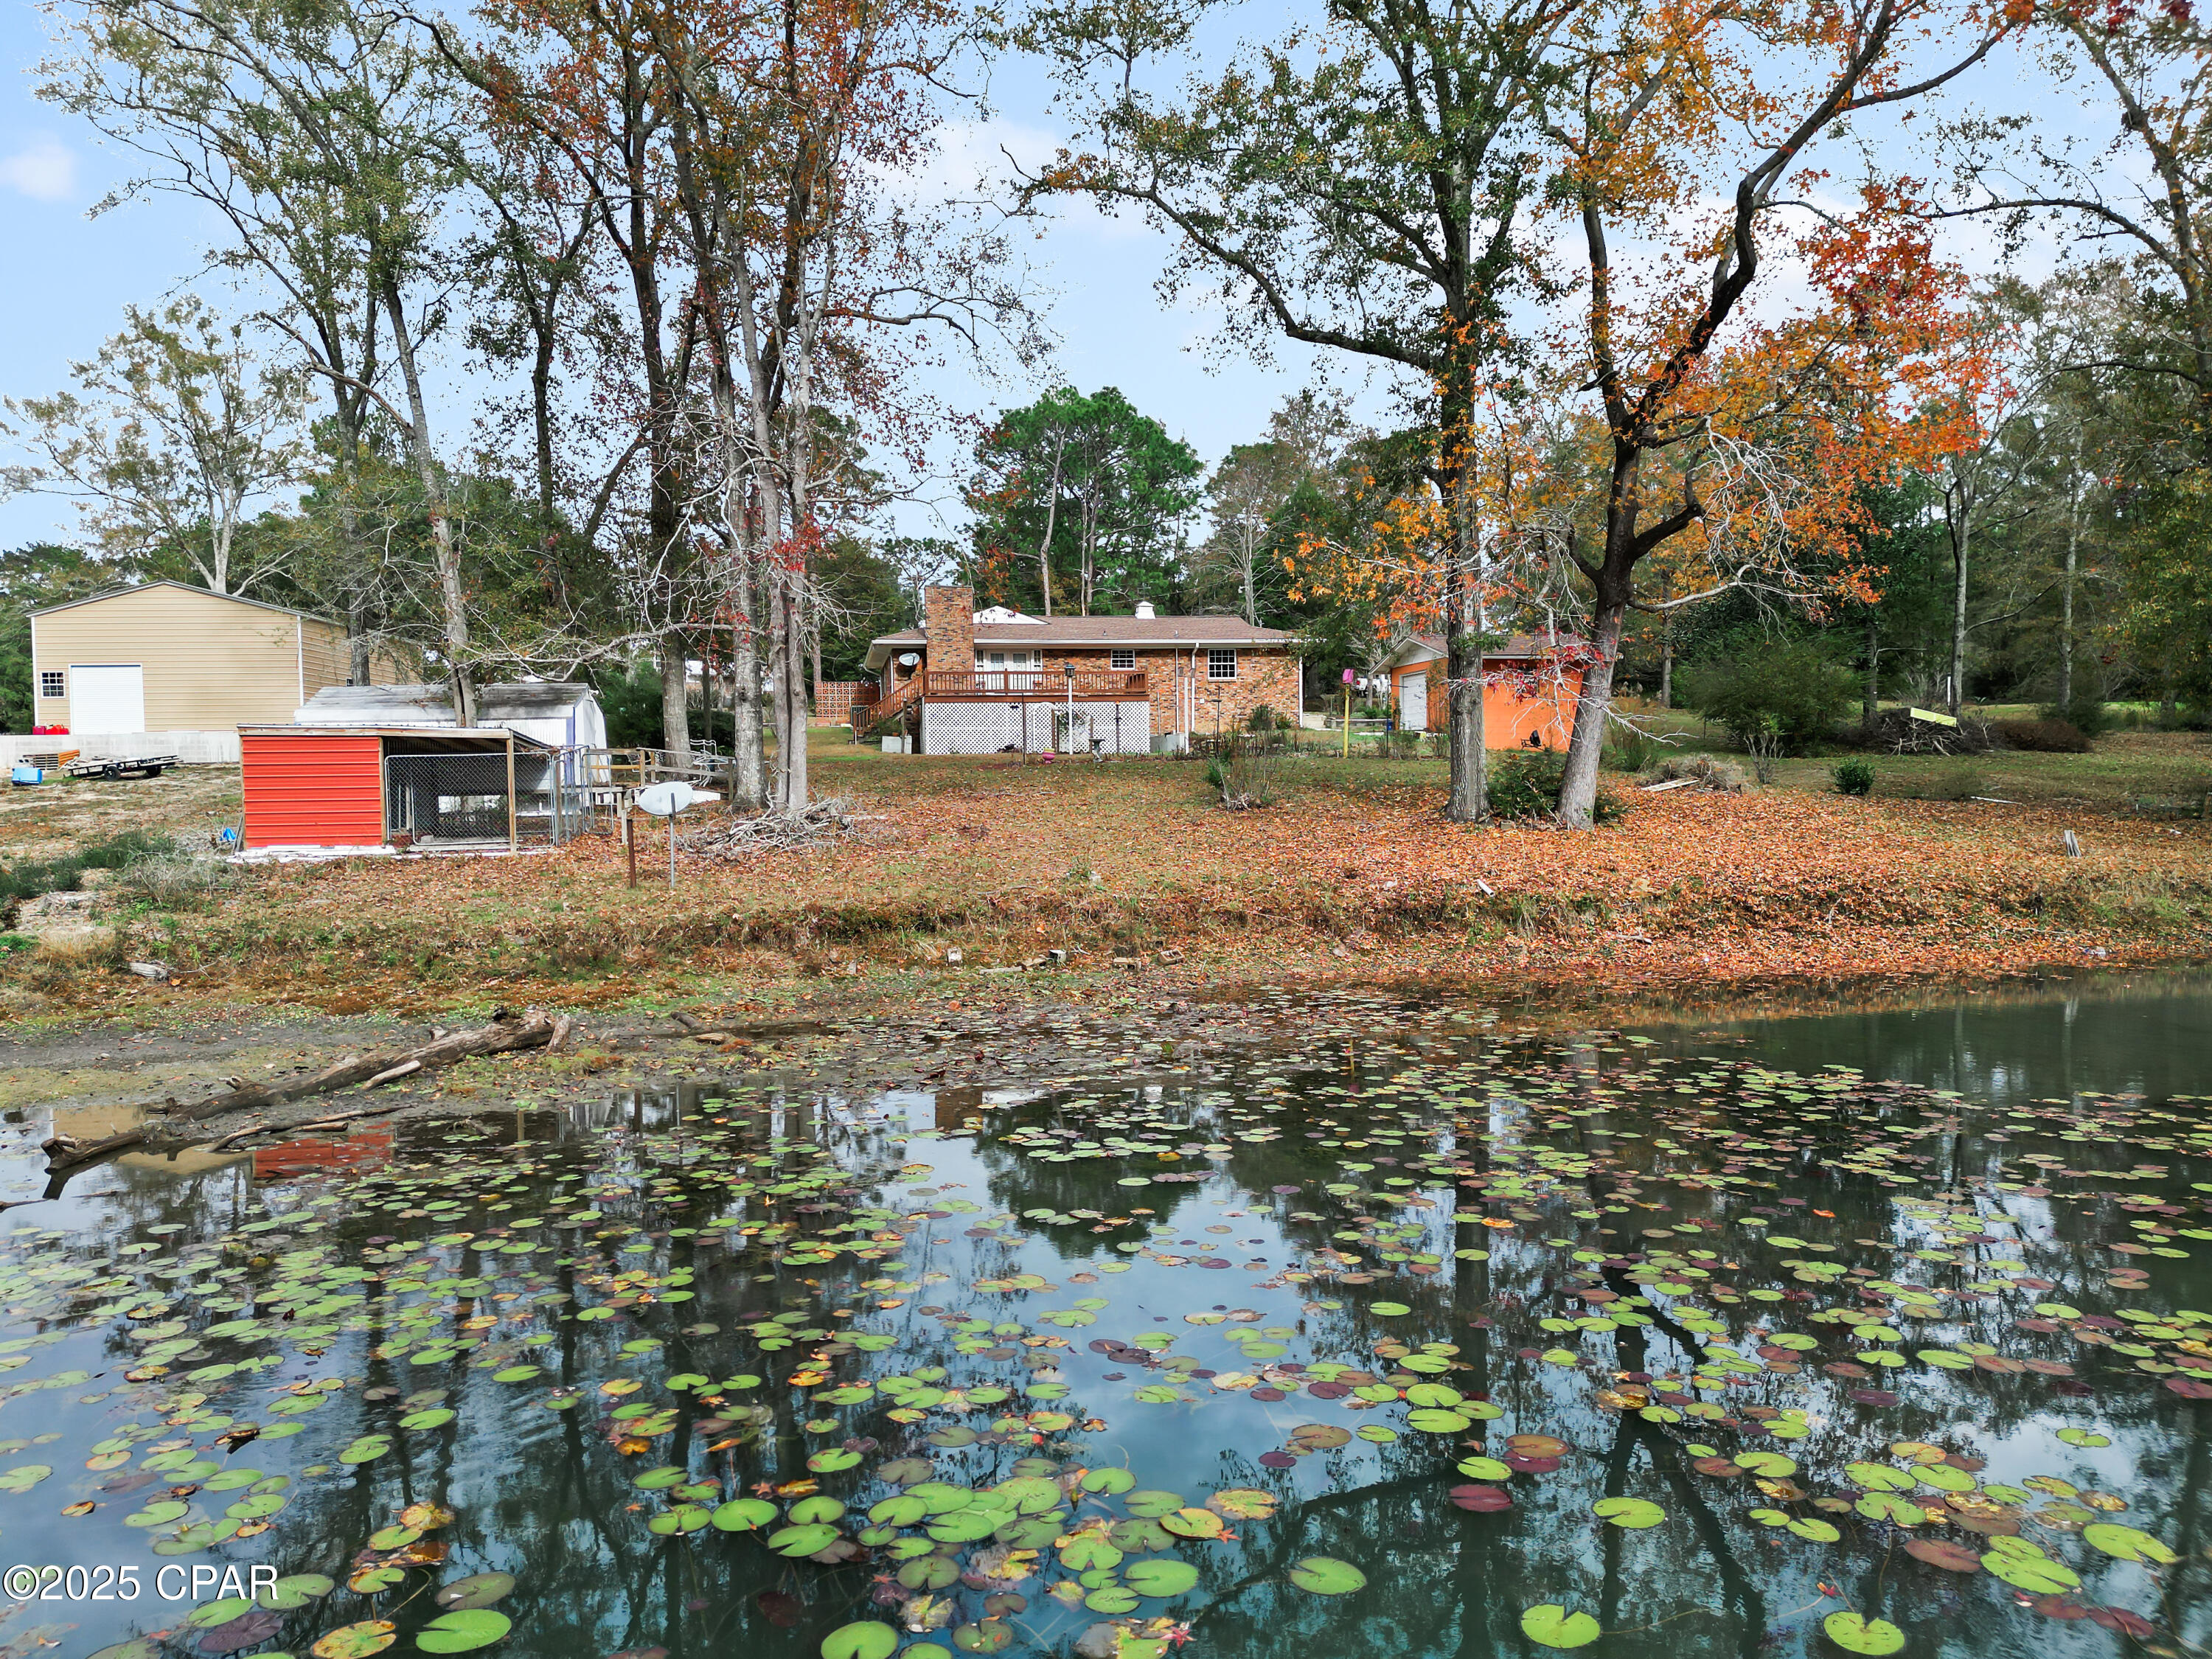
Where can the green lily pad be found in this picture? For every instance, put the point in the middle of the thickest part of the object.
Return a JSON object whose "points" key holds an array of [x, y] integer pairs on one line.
{"points": [[2036, 1574], [296, 1590], [744, 1515], [1634, 1513], [2128, 1543], [1552, 1625], [463, 1630], [1324, 1575], [1855, 1633], [868, 1638], [1162, 1579]]}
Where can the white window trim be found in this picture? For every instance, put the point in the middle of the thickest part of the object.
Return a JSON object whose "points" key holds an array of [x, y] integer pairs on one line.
{"points": [[60, 679], [1115, 655], [1212, 656]]}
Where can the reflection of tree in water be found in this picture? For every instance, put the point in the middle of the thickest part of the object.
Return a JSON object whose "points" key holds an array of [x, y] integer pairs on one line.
{"points": [[542, 1495]]}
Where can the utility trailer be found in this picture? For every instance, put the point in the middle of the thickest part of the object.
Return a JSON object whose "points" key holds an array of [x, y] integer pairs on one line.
{"points": [[129, 766]]}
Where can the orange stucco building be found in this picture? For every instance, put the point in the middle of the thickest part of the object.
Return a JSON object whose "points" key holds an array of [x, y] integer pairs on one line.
{"points": [[1531, 685]]}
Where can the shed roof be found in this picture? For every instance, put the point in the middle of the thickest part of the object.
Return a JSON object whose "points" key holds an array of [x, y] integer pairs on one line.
{"points": [[1420, 647], [431, 705], [129, 588], [428, 739]]}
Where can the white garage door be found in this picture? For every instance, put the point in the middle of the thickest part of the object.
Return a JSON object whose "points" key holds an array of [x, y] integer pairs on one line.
{"points": [[107, 698], [1413, 703]]}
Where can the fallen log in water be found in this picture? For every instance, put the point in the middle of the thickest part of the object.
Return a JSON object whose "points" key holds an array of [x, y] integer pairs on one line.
{"points": [[505, 1035]]}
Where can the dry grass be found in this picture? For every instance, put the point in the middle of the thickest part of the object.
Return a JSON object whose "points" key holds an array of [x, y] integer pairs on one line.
{"points": [[1352, 871]]}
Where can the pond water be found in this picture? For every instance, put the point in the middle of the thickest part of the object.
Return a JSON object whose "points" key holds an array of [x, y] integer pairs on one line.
{"points": [[1415, 1335]]}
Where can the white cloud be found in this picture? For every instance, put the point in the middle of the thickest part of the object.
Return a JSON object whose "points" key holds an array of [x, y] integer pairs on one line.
{"points": [[44, 170]]}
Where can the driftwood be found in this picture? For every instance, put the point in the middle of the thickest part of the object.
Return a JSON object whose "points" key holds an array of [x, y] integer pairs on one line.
{"points": [[504, 1035], [501, 1037], [740, 838]]}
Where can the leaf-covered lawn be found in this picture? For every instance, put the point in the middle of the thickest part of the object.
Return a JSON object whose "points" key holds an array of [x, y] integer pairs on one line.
{"points": [[1352, 871]]}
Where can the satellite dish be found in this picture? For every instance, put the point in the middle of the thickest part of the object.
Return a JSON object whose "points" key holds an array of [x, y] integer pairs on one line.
{"points": [[665, 800], [907, 659]]}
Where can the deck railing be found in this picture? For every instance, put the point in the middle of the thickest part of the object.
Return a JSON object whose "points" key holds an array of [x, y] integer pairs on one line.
{"points": [[1035, 685]]}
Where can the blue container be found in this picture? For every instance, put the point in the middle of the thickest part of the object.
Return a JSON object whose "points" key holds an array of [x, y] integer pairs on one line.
{"points": [[27, 774]]}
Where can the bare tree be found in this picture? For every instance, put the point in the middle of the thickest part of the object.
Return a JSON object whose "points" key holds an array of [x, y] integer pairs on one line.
{"points": [[176, 431]]}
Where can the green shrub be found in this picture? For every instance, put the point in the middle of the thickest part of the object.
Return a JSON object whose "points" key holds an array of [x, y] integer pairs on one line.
{"points": [[1630, 749], [1262, 719], [2091, 716], [1524, 783], [1855, 777], [1789, 691]]}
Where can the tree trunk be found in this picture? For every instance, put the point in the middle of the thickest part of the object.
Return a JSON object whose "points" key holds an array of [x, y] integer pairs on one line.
{"points": [[1251, 543], [749, 788], [675, 698], [461, 672], [1872, 704], [2066, 589], [1578, 787], [1051, 516], [1961, 530]]}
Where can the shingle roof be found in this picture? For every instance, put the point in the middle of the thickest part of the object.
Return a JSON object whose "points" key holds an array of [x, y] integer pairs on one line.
{"points": [[1519, 645], [1154, 632]]}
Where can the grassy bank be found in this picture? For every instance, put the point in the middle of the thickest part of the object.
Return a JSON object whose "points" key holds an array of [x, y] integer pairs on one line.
{"points": [[1133, 867]]}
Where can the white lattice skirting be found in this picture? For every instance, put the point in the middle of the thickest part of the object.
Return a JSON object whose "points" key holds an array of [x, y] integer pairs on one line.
{"points": [[987, 728]]}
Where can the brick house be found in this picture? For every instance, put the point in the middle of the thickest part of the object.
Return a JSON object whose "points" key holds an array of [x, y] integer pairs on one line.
{"points": [[1531, 684], [975, 681]]}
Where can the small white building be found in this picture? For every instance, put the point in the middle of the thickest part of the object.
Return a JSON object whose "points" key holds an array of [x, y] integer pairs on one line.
{"points": [[559, 713]]}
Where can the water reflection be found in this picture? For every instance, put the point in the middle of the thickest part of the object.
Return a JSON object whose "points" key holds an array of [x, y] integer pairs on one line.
{"points": [[1410, 1295]]}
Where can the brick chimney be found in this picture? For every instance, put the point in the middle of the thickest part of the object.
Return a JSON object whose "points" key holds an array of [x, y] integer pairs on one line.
{"points": [[948, 616]]}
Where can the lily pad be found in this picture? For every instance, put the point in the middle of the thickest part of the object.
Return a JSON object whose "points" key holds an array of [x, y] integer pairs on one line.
{"points": [[1855, 1633], [2128, 1543], [1634, 1513], [1324, 1575], [867, 1638], [463, 1630], [1163, 1578], [355, 1641], [1551, 1625]]}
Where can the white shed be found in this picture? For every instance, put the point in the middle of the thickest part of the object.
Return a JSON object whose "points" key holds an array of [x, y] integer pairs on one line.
{"points": [[560, 714]]}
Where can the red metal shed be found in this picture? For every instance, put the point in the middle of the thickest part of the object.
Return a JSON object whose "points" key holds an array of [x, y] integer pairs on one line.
{"points": [[312, 785], [356, 786]]}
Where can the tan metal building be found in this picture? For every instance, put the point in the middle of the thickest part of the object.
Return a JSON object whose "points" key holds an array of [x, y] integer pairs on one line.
{"points": [[163, 657]]}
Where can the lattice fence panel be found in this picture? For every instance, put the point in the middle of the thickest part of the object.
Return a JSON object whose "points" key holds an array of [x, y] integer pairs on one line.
{"points": [[990, 728]]}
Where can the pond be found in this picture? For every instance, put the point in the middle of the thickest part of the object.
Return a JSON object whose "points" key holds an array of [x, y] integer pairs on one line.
{"points": [[1413, 1334]]}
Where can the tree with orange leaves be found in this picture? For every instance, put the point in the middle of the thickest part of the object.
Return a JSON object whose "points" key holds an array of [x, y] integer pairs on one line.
{"points": [[1755, 434], [1383, 183]]}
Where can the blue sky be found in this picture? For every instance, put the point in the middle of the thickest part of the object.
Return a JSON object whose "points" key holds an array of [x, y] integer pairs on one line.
{"points": [[66, 275]]}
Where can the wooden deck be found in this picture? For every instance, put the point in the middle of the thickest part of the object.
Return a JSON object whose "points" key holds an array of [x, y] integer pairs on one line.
{"points": [[1003, 685], [1034, 685]]}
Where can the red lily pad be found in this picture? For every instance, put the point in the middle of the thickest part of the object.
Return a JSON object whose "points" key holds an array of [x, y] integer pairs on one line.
{"points": [[1482, 1500], [1942, 1552]]}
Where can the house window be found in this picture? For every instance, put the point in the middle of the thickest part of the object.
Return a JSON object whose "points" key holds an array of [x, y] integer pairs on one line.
{"points": [[51, 683], [1123, 658], [1221, 665]]}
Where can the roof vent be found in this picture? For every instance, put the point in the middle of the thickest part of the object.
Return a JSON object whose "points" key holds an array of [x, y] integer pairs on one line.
{"points": [[1145, 609]]}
